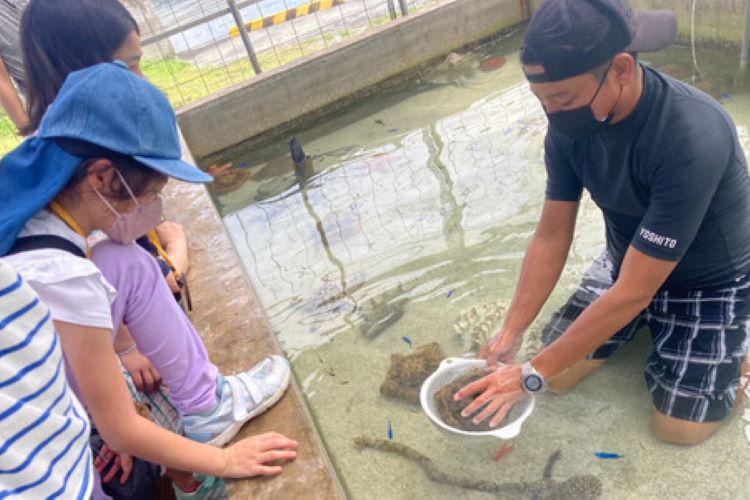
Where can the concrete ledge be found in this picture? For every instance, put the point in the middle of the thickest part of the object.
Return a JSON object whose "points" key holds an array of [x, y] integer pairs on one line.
{"points": [[236, 332], [237, 114]]}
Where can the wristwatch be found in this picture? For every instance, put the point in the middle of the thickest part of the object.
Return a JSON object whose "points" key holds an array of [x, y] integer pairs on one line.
{"points": [[531, 380]]}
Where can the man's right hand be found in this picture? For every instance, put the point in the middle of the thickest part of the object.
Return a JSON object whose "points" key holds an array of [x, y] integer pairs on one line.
{"points": [[503, 348], [542, 265]]}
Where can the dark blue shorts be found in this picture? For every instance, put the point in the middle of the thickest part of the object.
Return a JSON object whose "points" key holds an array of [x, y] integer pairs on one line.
{"points": [[700, 341]]}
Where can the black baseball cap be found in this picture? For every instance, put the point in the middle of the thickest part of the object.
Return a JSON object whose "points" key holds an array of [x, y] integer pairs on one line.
{"points": [[572, 37]]}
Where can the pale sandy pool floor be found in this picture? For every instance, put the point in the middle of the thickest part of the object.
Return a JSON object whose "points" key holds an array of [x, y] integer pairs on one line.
{"points": [[427, 198]]}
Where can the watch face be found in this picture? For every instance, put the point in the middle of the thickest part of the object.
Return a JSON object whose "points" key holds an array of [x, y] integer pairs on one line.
{"points": [[533, 383]]}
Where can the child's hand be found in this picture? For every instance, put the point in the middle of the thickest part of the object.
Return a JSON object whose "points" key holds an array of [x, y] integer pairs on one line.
{"points": [[119, 462], [250, 456], [219, 170], [145, 375]]}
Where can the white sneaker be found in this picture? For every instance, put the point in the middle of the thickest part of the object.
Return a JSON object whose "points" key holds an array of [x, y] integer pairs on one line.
{"points": [[241, 397]]}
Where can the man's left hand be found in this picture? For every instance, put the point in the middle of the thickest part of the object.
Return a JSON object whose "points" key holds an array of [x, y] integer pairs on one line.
{"points": [[500, 390]]}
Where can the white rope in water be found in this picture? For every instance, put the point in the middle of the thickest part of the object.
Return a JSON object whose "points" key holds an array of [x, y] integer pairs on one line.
{"points": [[696, 69]]}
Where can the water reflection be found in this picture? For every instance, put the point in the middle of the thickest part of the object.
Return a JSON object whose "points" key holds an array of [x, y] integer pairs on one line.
{"points": [[389, 214]]}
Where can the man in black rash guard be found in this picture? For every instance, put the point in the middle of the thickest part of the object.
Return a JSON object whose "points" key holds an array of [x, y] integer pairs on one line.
{"points": [[663, 163]]}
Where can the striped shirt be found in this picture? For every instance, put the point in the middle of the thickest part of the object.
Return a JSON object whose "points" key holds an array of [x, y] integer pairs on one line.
{"points": [[44, 431]]}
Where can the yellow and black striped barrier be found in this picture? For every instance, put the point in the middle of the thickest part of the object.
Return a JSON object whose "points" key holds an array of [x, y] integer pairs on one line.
{"points": [[286, 15]]}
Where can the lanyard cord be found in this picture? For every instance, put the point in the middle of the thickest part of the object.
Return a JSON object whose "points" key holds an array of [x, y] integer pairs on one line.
{"points": [[180, 278], [153, 237], [58, 210]]}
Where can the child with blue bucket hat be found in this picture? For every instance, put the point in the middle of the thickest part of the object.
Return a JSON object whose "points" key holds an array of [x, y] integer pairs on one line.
{"points": [[104, 150]]}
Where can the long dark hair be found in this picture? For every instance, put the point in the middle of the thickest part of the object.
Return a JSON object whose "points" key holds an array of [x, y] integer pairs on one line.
{"points": [[62, 36]]}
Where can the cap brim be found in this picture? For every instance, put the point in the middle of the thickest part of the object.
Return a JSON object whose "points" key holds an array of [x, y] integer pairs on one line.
{"points": [[656, 30], [175, 168]]}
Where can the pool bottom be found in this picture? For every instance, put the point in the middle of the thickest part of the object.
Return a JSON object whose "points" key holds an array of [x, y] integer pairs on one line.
{"points": [[443, 205]]}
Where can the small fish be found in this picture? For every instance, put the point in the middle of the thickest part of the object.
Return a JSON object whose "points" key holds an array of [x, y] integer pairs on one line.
{"points": [[392, 130], [607, 456], [380, 122], [449, 294], [243, 164], [390, 431], [504, 450], [407, 340], [298, 154], [725, 96]]}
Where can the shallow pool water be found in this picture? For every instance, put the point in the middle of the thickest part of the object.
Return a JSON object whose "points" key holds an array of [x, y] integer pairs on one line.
{"points": [[421, 207]]}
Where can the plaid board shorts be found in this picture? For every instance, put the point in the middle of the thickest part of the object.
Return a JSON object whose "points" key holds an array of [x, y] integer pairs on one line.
{"points": [[700, 337]]}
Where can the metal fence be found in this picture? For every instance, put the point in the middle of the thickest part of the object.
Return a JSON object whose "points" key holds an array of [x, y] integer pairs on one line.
{"points": [[193, 48]]}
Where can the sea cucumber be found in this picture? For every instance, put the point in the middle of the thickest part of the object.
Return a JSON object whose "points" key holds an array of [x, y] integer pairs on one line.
{"points": [[579, 487]]}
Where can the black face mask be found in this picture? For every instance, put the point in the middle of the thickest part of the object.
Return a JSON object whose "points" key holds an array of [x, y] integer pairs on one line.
{"points": [[580, 122]]}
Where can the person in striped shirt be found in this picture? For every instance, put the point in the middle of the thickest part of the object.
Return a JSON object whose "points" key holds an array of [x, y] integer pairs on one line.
{"points": [[104, 151], [44, 448]]}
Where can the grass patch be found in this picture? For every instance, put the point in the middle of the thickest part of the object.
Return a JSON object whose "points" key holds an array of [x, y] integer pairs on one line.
{"points": [[8, 137], [184, 83]]}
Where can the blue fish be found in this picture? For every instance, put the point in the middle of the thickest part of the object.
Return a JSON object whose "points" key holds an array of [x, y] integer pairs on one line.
{"points": [[390, 431], [449, 294], [243, 164], [607, 456], [407, 340]]}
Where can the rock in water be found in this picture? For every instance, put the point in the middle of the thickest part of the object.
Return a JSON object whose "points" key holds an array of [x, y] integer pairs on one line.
{"points": [[407, 372], [376, 323], [450, 409], [232, 180], [380, 313]]}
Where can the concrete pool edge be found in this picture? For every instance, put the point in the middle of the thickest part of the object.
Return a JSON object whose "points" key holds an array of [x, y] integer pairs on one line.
{"points": [[237, 334], [242, 112]]}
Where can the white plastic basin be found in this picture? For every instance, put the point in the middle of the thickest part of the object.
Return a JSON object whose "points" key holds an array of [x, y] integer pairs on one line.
{"points": [[447, 372]]}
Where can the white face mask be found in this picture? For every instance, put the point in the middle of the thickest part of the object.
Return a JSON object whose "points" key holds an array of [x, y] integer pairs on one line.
{"points": [[130, 226]]}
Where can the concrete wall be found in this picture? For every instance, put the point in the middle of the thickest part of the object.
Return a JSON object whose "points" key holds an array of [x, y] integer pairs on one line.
{"points": [[286, 93], [716, 21], [719, 22]]}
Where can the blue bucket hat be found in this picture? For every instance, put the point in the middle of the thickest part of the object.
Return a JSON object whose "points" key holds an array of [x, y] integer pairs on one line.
{"points": [[105, 105]]}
